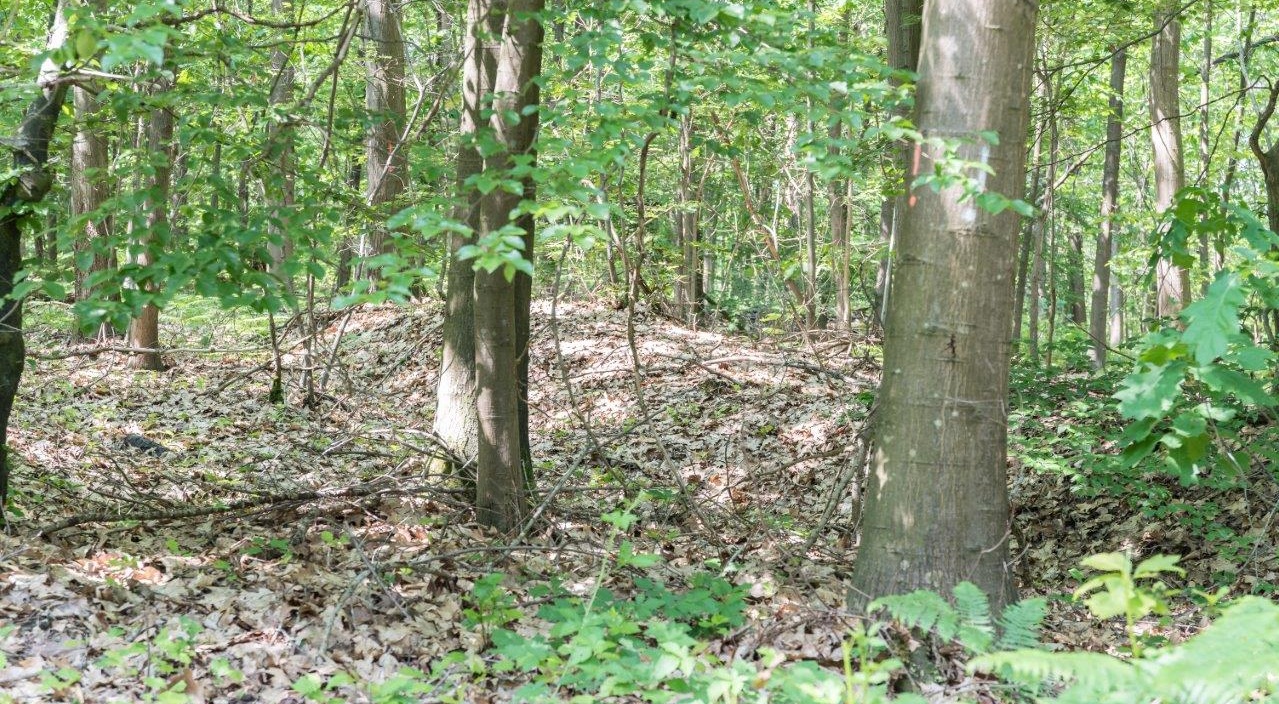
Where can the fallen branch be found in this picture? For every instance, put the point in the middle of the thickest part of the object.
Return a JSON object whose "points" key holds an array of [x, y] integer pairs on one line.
{"points": [[371, 489], [89, 352]]}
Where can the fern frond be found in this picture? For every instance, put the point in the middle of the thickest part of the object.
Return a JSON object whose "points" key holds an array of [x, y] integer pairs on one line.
{"points": [[1091, 671], [975, 629], [1020, 624], [923, 610]]}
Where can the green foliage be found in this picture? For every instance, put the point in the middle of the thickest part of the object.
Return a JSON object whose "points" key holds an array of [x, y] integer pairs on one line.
{"points": [[1230, 661], [1119, 591], [1191, 381]]}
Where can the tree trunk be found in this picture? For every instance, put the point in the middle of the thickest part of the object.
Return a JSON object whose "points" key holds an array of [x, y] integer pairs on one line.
{"points": [[456, 424], [30, 147], [1027, 244], [144, 330], [902, 24], [688, 284], [386, 160], [1172, 281], [937, 502], [1268, 159], [90, 188], [501, 305], [281, 189], [1109, 204]]}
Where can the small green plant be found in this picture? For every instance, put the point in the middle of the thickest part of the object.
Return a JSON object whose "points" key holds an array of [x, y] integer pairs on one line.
{"points": [[1122, 590], [490, 606], [1232, 660]]}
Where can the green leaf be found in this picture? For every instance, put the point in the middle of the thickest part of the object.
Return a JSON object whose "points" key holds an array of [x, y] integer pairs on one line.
{"points": [[1213, 320], [1107, 562]]}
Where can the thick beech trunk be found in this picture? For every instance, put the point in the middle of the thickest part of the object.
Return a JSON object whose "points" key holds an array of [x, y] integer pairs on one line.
{"points": [[1268, 158], [1172, 282], [937, 502], [1100, 309]]}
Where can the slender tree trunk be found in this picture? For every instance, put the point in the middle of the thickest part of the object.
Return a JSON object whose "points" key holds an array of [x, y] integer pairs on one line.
{"points": [[1109, 204], [501, 305], [30, 148], [902, 23], [688, 283], [1116, 327], [386, 160], [1027, 244], [937, 502], [89, 190], [1172, 281], [144, 330], [1039, 227], [281, 188], [456, 424]]}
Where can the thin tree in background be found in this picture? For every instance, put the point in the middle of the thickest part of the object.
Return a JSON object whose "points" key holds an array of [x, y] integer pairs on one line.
{"points": [[1099, 310], [937, 502], [902, 24], [386, 162], [1172, 282], [90, 188], [144, 330]]}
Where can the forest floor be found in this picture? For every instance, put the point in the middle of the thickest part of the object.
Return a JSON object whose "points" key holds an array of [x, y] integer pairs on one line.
{"points": [[275, 542]]}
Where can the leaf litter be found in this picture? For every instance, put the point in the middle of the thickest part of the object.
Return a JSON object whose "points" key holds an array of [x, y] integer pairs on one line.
{"points": [[311, 541]]}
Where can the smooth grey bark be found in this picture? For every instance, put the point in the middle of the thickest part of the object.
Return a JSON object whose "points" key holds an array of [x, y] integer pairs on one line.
{"points": [[1172, 282], [30, 148], [386, 161], [456, 424], [1100, 312], [936, 509], [501, 306], [144, 330]]}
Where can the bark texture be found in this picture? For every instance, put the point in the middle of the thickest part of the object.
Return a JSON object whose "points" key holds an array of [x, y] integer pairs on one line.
{"points": [[282, 188], [937, 502], [1100, 310]]}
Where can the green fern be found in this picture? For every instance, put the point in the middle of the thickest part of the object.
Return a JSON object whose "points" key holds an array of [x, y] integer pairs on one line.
{"points": [[1233, 660], [969, 620], [1019, 624]]}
